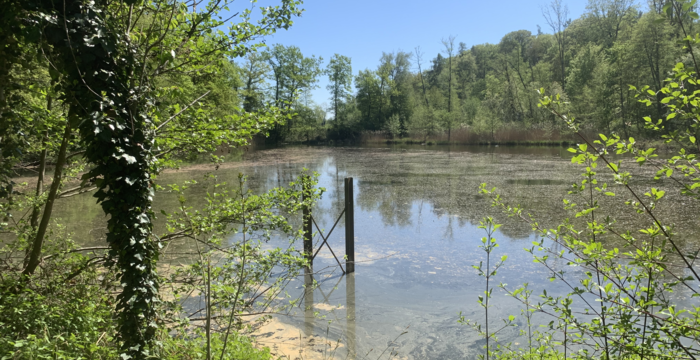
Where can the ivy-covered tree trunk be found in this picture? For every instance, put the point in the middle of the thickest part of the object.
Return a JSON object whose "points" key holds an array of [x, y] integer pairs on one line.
{"points": [[105, 74], [110, 110]]}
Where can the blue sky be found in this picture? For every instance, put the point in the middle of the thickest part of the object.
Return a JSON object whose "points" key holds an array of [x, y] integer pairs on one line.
{"points": [[362, 29]]}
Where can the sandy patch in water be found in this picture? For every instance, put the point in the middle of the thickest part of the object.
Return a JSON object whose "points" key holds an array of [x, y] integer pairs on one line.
{"points": [[289, 342]]}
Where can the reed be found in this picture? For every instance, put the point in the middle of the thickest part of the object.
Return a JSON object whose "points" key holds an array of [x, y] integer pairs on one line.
{"points": [[509, 135]]}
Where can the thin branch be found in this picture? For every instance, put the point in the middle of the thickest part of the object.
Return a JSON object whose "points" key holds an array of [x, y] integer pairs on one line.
{"points": [[183, 110]]}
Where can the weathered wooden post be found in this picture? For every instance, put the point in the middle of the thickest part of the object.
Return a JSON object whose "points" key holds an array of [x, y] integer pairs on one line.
{"points": [[349, 226], [309, 255], [306, 215]]}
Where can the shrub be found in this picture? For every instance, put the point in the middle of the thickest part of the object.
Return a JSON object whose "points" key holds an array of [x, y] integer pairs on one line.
{"points": [[633, 294]]}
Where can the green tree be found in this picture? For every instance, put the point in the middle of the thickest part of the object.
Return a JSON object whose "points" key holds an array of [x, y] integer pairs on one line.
{"points": [[449, 45], [557, 16], [339, 72], [368, 98], [110, 91], [609, 16], [425, 122], [253, 75], [292, 74]]}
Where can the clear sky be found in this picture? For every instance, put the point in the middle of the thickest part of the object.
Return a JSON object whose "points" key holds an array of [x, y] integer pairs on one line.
{"points": [[363, 29]]}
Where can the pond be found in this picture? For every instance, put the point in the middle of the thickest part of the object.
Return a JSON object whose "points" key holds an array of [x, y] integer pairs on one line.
{"points": [[417, 211]]}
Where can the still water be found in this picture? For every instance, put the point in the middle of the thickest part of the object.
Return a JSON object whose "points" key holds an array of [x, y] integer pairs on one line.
{"points": [[417, 211]]}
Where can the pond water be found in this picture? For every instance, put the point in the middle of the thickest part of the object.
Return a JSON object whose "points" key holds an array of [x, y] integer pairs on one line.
{"points": [[417, 211]]}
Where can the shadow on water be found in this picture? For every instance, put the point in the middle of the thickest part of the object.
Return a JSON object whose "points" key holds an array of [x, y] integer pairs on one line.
{"points": [[417, 211]]}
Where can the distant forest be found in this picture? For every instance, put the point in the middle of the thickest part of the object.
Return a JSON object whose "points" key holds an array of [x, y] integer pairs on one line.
{"points": [[591, 61]]}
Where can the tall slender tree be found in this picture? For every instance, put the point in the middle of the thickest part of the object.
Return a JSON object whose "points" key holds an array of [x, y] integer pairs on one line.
{"points": [[557, 16], [253, 73], [449, 45], [339, 72], [419, 62]]}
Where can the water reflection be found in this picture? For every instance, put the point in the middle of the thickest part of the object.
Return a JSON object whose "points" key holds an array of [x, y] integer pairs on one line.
{"points": [[350, 317], [416, 216], [308, 302], [535, 182]]}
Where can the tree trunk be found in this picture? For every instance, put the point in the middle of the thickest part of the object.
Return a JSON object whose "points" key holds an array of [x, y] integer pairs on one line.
{"points": [[449, 88], [418, 60], [39, 186], [34, 256], [34, 222]]}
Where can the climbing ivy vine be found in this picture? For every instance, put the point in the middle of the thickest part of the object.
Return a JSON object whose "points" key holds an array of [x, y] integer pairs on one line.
{"points": [[106, 58]]}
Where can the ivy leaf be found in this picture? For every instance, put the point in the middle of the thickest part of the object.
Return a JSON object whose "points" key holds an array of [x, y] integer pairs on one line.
{"points": [[129, 159]]}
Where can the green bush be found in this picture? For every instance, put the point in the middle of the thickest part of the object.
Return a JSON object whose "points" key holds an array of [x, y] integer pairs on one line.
{"points": [[630, 270], [75, 321], [239, 347], [53, 319]]}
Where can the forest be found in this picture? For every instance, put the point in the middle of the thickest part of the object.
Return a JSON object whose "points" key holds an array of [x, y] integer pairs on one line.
{"points": [[481, 92], [116, 102]]}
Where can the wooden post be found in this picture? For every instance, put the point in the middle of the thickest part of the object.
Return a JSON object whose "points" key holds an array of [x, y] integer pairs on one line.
{"points": [[308, 241], [349, 226], [308, 254]]}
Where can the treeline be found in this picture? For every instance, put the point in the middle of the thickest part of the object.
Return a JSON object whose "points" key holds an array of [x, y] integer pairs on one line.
{"points": [[483, 89]]}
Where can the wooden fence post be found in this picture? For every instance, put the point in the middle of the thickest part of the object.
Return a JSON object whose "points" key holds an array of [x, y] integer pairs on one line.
{"points": [[306, 215], [349, 226], [309, 255]]}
